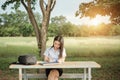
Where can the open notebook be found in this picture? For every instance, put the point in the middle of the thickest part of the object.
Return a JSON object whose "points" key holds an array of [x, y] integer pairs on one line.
{"points": [[48, 63]]}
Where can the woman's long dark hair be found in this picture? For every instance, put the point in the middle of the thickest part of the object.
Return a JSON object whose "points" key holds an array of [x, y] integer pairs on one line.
{"points": [[61, 40]]}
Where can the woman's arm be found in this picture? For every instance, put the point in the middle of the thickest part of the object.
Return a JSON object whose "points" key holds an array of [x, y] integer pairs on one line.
{"points": [[46, 59], [60, 60]]}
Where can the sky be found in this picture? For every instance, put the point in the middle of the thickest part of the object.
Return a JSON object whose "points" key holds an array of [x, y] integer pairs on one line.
{"points": [[66, 8]]}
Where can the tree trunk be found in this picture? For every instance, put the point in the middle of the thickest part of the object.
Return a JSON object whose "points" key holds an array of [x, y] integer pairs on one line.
{"points": [[41, 34], [44, 29], [46, 10], [33, 22]]}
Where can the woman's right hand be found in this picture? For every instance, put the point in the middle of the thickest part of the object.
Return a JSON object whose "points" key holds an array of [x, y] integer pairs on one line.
{"points": [[47, 59]]}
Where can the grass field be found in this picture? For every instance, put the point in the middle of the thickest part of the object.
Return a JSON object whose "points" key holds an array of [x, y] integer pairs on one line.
{"points": [[103, 50]]}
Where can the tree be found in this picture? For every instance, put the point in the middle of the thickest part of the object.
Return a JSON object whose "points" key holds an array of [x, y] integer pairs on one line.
{"points": [[102, 7], [68, 29], [58, 21], [15, 24], [53, 30], [46, 8]]}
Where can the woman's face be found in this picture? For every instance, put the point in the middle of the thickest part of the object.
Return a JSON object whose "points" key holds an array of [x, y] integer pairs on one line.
{"points": [[56, 45]]}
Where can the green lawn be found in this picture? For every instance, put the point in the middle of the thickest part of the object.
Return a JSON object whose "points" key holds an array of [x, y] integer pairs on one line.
{"points": [[103, 50]]}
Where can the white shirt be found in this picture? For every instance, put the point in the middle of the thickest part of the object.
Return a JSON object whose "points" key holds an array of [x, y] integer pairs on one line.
{"points": [[54, 55]]}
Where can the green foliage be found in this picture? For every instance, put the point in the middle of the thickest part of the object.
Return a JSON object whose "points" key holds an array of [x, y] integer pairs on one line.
{"points": [[117, 29], [17, 24], [68, 29], [8, 2], [53, 30], [16, 4], [38, 18], [58, 22]]}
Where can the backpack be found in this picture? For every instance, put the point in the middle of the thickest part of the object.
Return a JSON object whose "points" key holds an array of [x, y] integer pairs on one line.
{"points": [[27, 59]]}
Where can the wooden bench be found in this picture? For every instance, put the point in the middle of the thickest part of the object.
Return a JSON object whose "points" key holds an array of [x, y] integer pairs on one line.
{"points": [[64, 75]]}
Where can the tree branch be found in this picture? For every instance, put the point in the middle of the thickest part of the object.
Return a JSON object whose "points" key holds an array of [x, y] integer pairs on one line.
{"points": [[29, 4], [49, 5], [42, 6], [53, 4], [22, 1]]}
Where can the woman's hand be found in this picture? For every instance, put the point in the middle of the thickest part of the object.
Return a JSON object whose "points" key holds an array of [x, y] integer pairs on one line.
{"points": [[61, 60], [47, 59]]}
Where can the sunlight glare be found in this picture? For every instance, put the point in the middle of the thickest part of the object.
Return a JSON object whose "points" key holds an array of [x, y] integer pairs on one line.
{"points": [[99, 20], [95, 22]]}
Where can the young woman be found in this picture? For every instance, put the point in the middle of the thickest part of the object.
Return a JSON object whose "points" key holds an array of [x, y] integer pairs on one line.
{"points": [[56, 53]]}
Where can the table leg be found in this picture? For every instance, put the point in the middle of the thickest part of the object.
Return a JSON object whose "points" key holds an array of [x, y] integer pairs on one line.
{"points": [[20, 73], [25, 74], [85, 73], [89, 73]]}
